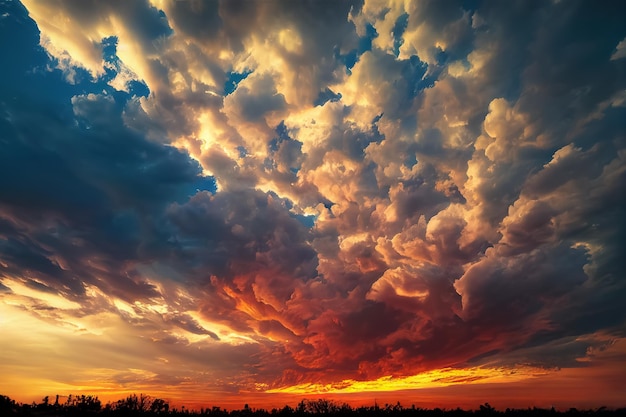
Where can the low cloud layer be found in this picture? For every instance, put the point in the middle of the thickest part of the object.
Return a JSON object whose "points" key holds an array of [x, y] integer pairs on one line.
{"points": [[274, 194]]}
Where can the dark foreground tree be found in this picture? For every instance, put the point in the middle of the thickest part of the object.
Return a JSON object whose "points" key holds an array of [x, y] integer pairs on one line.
{"points": [[145, 405]]}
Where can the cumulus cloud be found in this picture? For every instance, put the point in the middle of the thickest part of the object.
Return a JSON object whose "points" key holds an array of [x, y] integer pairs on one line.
{"points": [[287, 193]]}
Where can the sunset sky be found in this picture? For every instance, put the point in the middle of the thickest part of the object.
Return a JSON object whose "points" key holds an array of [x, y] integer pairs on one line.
{"points": [[232, 202]]}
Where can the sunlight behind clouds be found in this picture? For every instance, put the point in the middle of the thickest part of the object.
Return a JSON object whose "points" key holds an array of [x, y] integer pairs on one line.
{"points": [[304, 197]]}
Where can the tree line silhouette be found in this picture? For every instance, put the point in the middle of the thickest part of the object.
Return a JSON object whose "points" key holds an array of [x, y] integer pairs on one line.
{"points": [[145, 405]]}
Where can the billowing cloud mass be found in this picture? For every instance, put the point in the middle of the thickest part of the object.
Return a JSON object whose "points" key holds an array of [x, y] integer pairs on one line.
{"points": [[204, 198]]}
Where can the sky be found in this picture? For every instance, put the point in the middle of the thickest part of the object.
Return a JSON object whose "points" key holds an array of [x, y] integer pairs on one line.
{"points": [[229, 202]]}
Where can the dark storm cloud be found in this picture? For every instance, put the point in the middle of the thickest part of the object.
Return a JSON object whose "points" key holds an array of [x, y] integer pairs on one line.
{"points": [[576, 50], [511, 289], [231, 232], [77, 184]]}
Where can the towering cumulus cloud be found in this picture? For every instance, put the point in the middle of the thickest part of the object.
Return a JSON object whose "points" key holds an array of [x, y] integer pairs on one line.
{"points": [[211, 197]]}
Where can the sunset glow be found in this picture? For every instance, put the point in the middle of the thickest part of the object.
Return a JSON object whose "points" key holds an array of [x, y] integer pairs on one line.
{"points": [[429, 379], [222, 203]]}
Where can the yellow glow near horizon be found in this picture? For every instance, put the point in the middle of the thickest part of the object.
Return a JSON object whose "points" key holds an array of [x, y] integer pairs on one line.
{"points": [[431, 379]]}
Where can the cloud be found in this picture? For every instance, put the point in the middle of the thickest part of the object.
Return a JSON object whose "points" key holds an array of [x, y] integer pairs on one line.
{"points": [[138, 26], [291, 194], [620, 50]]}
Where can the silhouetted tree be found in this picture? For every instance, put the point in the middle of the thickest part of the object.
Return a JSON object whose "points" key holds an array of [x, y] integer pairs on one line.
{"points": [[144, 405], [8, 406], [159, 406], [134, 404]]}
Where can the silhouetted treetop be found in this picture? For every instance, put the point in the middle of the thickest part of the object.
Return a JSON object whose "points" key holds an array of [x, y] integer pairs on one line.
{"points": [[145, 405]]}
